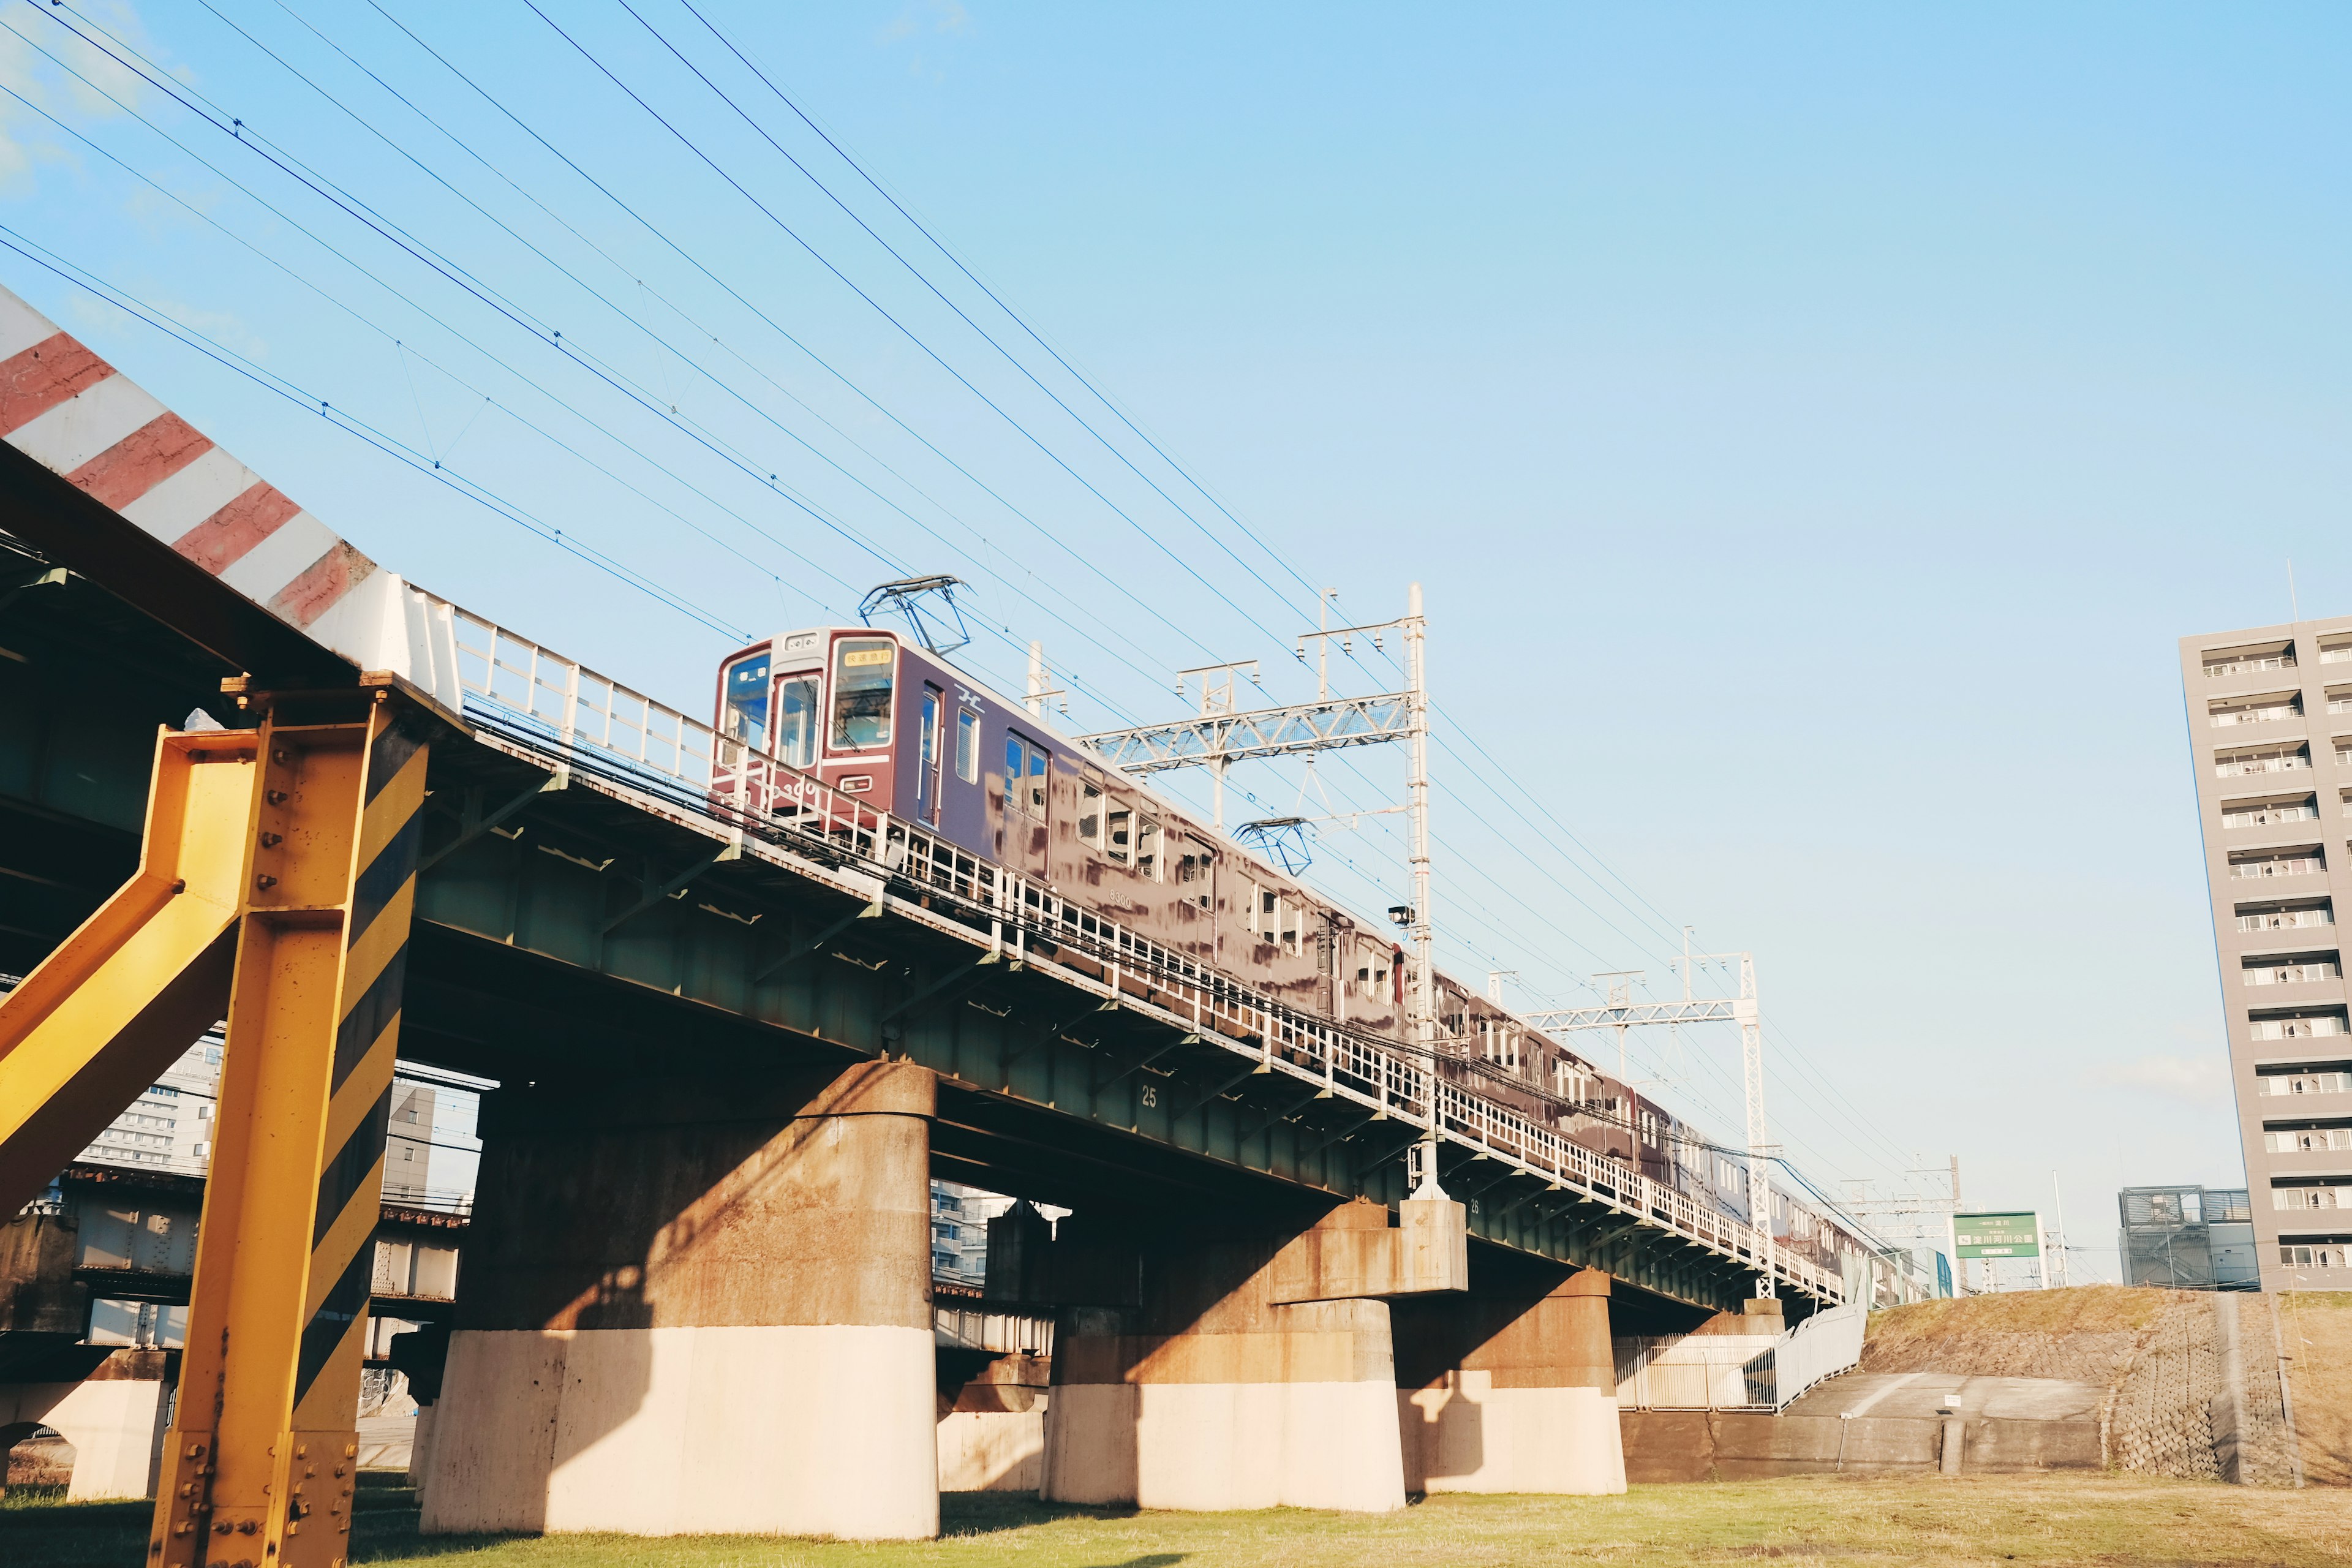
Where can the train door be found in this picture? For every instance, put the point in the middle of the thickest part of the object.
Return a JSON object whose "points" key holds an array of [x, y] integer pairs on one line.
{"points": [[927, 755], [743, 713], [1027, 766]]}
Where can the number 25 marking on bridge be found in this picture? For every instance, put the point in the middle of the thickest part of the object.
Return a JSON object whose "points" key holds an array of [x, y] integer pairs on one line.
{"points": [[1151, 1094]]}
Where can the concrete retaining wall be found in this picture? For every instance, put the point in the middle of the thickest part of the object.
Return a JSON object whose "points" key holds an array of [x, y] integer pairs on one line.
{"points": [[1742, 1444]]}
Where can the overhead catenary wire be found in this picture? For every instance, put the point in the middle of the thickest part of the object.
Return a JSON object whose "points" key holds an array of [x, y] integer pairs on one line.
{"points": [[1572, 835], [833, 609]]}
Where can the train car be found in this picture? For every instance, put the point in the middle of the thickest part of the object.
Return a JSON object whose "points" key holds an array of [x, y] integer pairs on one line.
{"points": [[884, 719]]}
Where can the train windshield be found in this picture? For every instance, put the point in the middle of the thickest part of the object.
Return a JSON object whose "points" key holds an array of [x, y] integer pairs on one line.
{"points": [[861, 693], [746, 700]]}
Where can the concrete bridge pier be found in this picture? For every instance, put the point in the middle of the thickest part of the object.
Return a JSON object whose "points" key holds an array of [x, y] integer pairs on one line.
{"points": [[1513, 1388], [697, 1303], [1236, 1368]]}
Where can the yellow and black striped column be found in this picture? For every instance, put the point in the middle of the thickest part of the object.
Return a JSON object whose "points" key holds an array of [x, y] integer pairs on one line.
{"points": [[260, 1463]]}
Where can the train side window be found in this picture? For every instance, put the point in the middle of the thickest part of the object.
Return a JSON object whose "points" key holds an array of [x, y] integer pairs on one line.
{"points": [[1090, 812], [1024, 776], [967, 745], [1119, 832], [747, 701], [796, 704], [1146, 848]]}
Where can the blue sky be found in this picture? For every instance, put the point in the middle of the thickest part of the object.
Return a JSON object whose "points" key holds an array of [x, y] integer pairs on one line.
{"points": [[1813, 430]]}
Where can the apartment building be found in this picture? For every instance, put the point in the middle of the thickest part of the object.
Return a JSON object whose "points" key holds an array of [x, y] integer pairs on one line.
{"points": [[2270, 729]]}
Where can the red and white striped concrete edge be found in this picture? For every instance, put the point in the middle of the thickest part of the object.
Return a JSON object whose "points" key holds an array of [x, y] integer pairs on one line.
{"points": [[76, 414]]}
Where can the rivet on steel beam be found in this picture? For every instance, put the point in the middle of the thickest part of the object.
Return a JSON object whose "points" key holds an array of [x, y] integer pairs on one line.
{"points": [[272, 840], [265, 881], [275, 796], [282, 754]]}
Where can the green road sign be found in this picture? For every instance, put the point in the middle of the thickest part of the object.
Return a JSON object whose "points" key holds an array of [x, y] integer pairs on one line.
{"points": [[1997, 1234]]}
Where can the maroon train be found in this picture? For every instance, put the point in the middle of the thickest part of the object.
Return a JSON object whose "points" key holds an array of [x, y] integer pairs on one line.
{"points": [[874, 715]]}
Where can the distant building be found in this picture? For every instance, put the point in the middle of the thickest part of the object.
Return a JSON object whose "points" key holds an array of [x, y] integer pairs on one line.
{"points": [[2270, 730], [960, 1216], [169, 1126], [2189, 1238]]}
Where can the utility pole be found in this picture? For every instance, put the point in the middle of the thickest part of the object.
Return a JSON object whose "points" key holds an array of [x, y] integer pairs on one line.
{"points": [[1416, 686], [2056, 1244], [1041, 690], [1751, 1064]]}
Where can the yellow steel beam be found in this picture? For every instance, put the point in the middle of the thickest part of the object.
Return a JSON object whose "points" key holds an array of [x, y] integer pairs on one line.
{"points": [[117, 1003], [258, 1466]]}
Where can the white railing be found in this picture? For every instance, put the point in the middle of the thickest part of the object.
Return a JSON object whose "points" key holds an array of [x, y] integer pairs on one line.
{"points": [[2287, 920], [2269, 762], [2248, 666], [525, 695], [2298, 1028], [2270, 816], [2224, 718], [2284, 1084], [1816, 1350], [2297, 866]]}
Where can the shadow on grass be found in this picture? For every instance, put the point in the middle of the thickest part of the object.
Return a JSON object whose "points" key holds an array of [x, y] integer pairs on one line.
{"points": [[48, 1532]]}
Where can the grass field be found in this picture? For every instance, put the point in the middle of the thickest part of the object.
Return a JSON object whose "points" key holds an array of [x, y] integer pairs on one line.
{"points": [[2046, 1520]]}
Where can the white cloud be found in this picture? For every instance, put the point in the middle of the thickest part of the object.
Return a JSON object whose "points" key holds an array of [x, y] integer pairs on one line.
{"points": [[2201, 1079]]}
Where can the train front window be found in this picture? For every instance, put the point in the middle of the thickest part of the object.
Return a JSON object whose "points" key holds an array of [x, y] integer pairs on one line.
{"points": [[861, 694], [746, 702], [796, 712]]}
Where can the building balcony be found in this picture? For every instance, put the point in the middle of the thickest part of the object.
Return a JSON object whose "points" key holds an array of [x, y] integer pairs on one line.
{"points": [[2291, 972], [2255, 761], [2253, 865], [2227, 662], [2297, 1026], [2307, 1140], [2269, 813], [2288, 1084], [2315, 915], [2223, 713]]}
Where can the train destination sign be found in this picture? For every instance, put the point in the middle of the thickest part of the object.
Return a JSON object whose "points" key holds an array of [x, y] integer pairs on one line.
{"points": [[1997, 1234]]}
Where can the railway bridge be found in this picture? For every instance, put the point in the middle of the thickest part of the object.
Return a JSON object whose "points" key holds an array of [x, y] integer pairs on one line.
{"points": [[736, 1031]]}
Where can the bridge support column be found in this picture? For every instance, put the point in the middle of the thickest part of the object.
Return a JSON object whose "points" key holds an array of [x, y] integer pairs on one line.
{"points": [[696, 1305], [1250, 1370], [1512, 1388]]}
